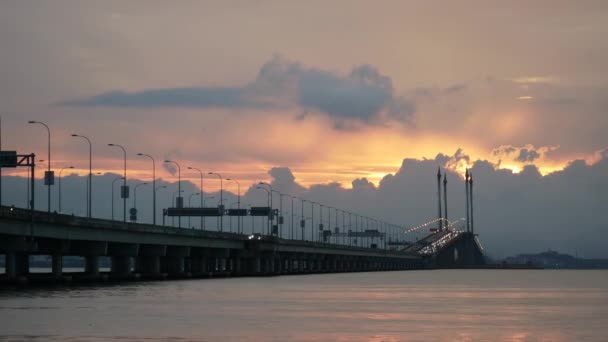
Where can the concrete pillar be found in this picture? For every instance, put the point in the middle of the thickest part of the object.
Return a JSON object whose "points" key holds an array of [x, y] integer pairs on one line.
{"points": [[237, 265], [149, 265], [196, 264], [10, 266], [22, 263], [175, 265], [57, 265], [91, 264], [148, 261], [121, 265], [175, 260], [257, 265]]}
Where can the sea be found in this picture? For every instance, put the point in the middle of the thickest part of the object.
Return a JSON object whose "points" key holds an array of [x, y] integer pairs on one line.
{"points": [[425, 305]]}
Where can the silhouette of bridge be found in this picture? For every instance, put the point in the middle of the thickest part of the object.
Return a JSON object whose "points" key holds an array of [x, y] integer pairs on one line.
{"points": [[150, 251]]}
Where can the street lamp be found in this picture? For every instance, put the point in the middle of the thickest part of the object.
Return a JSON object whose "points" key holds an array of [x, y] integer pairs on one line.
{"points": [[268, 201], [115, 179], [60, 171], [153, 185], [180, 200], [124, 191], [202, 194], [208, 198], [135, 198], [303, 221], [48, 177], [292, 214], [90, 187], [312, 214], [190, 205], [271, 216], [281, 217], [175, 193], [221, 201], [238, 218]]}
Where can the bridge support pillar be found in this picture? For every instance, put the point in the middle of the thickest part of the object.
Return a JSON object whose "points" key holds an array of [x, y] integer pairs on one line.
{"points": [[236, 265], [174, 261], [57, 265], [121, 266], [148, 260], [198, 265], [91, 265], [257, 265], [148, 265], [121, 255], [17, 264]]}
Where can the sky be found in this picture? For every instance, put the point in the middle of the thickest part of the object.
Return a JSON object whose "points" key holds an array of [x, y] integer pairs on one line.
{"points": [[337, 94]]}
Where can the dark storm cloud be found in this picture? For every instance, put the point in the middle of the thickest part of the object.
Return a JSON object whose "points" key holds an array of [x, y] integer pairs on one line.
{"points": [[526, 155], [364, 94], [514, 213]]}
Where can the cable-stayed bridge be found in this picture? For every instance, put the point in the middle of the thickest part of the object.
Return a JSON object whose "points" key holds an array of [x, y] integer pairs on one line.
{"points": [[131, 250]]}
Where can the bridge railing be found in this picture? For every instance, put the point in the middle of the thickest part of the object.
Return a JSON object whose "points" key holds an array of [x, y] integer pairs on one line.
{"points": [[26, 215]]}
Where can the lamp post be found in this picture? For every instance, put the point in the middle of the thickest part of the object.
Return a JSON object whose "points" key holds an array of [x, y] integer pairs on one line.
{"points": [[303, 221], [90, 187], [153, 185], [124, 192], [291, 224], [180, 200], [312, 220], [208, 198], [115, 179], [156, 190], [190, 205], [60, 171], [281, 218], [221, 203], [175, 193], [202, 194], [268, 201], [135, 197], [321, 219], [48, 179], [271, 217], [238, 203]]}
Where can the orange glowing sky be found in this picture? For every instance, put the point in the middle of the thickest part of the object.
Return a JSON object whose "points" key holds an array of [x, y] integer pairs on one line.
{"points": [[405, 80]]}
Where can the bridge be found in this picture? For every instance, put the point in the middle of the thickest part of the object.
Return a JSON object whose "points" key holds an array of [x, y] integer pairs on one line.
{"points": [[149, 251], [146, 251]]}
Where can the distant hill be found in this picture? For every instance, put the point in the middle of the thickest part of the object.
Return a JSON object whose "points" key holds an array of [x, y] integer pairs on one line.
{"points": [[555, 260]]}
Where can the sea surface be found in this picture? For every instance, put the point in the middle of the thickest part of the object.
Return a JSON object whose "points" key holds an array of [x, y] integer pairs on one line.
{"points": [[441, 305]]}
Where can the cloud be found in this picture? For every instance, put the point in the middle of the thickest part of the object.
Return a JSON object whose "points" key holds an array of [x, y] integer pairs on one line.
{"points": [[174, 97], [283, 178], [514, 212], [364, 95], [525, 154]]}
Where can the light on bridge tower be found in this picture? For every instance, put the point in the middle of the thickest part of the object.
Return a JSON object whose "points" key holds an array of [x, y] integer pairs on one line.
{"points": [[439, 198]]}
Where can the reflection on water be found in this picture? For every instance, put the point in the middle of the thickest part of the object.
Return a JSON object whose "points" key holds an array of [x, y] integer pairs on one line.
{"points": [[452, 305]]}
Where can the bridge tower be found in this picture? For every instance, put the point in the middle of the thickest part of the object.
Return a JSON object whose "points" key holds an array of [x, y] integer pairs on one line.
{"points": [[440, 228], [445, 196]]}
